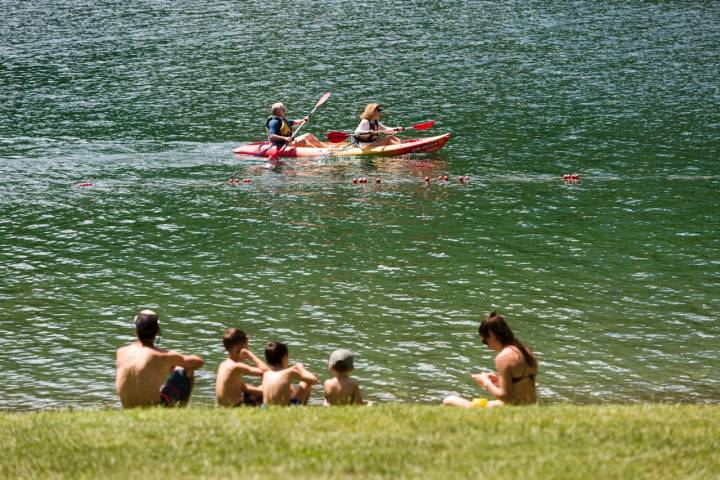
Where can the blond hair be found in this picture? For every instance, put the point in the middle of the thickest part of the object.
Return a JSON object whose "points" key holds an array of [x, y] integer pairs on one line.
{"points": [[277, 109], [371, 112]]}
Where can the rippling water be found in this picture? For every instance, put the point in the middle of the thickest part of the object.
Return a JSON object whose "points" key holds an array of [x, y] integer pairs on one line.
{"points": [[612, 280]]}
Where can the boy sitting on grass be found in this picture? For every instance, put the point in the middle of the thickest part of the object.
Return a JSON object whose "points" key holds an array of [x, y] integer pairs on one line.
{"points": [[342, 390], [277, 383], [230, 389]]}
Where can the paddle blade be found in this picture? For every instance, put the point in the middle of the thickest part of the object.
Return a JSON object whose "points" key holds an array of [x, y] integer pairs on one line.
{"points": [[423, 125], [337, 137], [322, 100], [274, 153]]}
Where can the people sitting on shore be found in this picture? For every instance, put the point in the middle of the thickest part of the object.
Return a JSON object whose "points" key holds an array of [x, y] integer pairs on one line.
{"points": [[277, 383], [230, 388], [341, 389], [148, 375], [516, 365]]}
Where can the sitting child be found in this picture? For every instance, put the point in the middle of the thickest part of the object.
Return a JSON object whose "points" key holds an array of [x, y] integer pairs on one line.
{"points": [[342, 390], [277, 382], [230, 389]]}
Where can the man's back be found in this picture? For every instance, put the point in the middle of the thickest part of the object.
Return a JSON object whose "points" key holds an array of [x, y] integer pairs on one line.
{"points": [[141, 372]]}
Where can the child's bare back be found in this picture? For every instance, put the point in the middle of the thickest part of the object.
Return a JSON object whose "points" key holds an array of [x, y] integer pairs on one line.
{"points": [[277, 384], [230, 387], [342, 390]]}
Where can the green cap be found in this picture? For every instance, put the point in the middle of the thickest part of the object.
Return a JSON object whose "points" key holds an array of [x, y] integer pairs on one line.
{"points": [[341, 360]]}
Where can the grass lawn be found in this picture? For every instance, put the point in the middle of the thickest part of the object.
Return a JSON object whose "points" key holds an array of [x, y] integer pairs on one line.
{"points": [[393, 441]]}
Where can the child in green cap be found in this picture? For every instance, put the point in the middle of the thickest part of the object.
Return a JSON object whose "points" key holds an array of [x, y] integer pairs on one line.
{"points": [[342, 390]]}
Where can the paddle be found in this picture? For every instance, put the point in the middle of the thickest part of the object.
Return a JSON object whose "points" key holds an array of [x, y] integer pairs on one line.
{"points": [[337, 137], [274, 156]]}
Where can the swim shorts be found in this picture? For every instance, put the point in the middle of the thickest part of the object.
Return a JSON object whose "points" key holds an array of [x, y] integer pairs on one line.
{"points": [[250, 400], [177, 388]]}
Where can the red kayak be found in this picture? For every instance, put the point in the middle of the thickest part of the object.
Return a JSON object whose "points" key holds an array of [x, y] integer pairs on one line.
{"points": [[346, 149]]}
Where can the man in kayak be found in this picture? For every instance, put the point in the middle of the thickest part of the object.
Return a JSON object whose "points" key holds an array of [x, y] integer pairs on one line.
{"points": [[148, 375], [367, 132], [279, 129]]}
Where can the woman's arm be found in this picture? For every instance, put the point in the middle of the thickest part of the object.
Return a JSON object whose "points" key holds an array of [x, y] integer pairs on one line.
{"points": [[501, 385], [389, 130]]}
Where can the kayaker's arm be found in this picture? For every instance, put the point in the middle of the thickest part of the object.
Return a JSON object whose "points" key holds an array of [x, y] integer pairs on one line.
{"points": [[297, 123], [293, 123], [389, 131], [278, 138]]}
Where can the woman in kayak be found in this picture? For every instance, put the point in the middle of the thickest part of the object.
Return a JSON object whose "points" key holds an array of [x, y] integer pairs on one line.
{"points": [[367, 132], [516, 365], [279, 129]]}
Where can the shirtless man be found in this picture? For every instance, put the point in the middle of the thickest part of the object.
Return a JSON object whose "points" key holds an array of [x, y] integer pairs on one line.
{"points": [[342, 390], [230, 389], [277, 382], [143, 368]]}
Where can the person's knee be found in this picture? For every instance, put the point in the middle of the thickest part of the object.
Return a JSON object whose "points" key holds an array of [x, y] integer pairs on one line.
{"points": [[303, 389], [452, 401]]}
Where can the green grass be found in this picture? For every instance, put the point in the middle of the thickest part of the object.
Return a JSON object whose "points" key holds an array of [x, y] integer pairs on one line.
{"points": [[396, 441]]}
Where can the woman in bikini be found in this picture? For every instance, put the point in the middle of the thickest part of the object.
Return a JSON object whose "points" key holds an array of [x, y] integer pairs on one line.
{"points": [[516, 365]]}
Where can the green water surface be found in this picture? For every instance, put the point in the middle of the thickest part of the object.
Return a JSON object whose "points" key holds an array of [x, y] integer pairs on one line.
{"points": [[613, 280]]}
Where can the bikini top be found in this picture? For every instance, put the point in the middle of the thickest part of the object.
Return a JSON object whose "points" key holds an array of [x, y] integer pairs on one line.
{"points": [[531, 376]]}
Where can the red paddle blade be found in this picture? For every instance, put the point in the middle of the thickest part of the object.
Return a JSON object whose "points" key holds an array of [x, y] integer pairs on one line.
{"points": [[274, 153], [423, 125], [322, 100], [337, 137]]}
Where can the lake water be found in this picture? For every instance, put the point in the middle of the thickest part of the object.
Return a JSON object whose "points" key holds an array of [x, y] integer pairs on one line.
{"points": [[613, 280]]}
